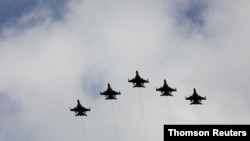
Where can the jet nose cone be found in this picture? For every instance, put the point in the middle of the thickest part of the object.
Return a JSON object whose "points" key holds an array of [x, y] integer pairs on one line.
{"points": [[195, 90]]}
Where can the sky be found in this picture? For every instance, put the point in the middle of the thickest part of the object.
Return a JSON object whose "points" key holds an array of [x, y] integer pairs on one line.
{"points": [[53, 53]]}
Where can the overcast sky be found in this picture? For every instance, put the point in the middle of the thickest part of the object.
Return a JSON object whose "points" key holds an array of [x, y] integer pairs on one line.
{"points": [[53, 53]]}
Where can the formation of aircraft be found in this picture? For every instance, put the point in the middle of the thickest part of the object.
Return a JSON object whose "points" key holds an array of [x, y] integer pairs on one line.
{"points": [[79, 109], [195, 98], [166, 90], [110, 94], [138, 81]]}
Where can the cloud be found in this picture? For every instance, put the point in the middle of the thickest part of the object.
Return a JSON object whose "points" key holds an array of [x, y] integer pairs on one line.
{"points": [[11, 10], [190, 13], [8, 107], [47, 66]]}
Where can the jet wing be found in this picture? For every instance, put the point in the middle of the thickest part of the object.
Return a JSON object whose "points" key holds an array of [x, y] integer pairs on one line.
{"points": [[190, 98], [74, 109], [77, 108], [171, 89], [85, 109], [165, 89], [110, 93], [160, 89], [201, 98], [195, 98], [116, 93], [132, 80], [144, 81], [104, 93]]}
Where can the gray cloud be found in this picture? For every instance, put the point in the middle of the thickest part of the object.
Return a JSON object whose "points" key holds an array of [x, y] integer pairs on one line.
{"points": [[8, 107], [190, 13], [47, 66], [11, 11]]}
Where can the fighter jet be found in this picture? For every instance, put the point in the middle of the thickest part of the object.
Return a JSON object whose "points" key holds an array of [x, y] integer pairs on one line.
{"points": [[80, 110], [166, 90], [110, 94], [138, 81], [195, 98]]}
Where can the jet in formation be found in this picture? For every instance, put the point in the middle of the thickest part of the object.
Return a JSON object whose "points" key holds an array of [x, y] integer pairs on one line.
{"points": [[110, 94], [166, 90], [80, 110], [195, 98], [138, 81]]}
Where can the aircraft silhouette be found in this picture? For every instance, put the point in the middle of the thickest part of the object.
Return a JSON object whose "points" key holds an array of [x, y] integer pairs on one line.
{"points": [[138, 81], [110, 94], [195, 98], [80, 110], [166, 90]]}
